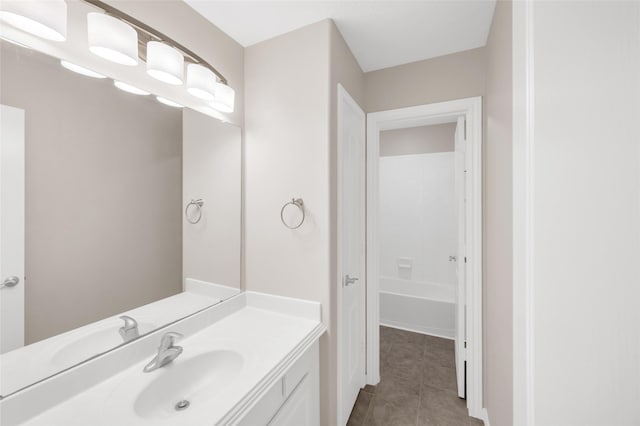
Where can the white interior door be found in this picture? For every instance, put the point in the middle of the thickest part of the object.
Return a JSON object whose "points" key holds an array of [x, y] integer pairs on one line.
{"points": [[460, 188], [11, 228], [351, 252]]}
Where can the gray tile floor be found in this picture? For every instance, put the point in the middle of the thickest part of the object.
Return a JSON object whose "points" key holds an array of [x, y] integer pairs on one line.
{"points": [[417, 385]]}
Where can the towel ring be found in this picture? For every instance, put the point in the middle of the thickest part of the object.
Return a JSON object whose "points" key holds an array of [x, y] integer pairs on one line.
{"points": [[198, 203], [299, 204]]}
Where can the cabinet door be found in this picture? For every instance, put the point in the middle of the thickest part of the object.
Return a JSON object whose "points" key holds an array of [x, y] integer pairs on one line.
{"points": [[302, 407]]}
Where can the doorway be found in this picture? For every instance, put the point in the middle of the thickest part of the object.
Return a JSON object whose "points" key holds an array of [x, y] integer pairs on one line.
{"points": [[466, 116]]}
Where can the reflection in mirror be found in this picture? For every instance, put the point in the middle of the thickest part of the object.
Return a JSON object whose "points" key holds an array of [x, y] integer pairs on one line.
{"points": [[98, 222]]}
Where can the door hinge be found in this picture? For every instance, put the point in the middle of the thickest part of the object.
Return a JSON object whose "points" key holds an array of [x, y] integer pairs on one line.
{"points": [[465, 344], [465, 259]]}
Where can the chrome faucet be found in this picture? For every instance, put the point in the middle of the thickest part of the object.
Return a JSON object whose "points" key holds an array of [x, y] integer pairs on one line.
{"points": [[166, 352], [129, 330]]}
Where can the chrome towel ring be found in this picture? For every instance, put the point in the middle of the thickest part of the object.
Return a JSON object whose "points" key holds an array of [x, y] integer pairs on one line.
{"points": [[297, 202], [198, 205]]}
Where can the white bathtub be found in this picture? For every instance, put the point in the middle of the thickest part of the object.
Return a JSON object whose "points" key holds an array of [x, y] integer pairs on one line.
{"points": [[427, 308]]}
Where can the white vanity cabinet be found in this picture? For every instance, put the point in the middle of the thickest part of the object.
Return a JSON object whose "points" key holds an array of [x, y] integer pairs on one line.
{"points": [[293, 399]]}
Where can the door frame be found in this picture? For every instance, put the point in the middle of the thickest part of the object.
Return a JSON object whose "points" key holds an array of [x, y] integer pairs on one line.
{"points": [[12, 238], [429, 114], [344, 98]]}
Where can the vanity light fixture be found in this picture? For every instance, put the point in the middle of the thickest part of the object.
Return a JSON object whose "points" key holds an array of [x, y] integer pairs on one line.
{"points": [[165, 57], [43, 18], [201, 82], [169, 102], [225, 98], [164, 63], [80, 70], [112, 39], [129, 88]]}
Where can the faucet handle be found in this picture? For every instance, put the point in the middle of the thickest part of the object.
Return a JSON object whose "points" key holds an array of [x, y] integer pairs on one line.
{"points": [[128, 322], [168, 339]]}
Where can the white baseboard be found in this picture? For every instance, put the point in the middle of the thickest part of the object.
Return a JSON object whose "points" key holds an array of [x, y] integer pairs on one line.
{"points": [[485, 417]]}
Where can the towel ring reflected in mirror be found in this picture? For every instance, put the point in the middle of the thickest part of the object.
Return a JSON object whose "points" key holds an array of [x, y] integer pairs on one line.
{"points": [[198, 205], [297, 202]]}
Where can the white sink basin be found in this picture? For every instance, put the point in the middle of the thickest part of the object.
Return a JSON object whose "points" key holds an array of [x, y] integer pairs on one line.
{"points": [[91, 342], [197, 379]]}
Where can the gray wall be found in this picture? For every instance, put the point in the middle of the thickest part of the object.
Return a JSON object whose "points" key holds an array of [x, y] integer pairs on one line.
{"points": [[103, 195], [498, 235], [418, 140]]}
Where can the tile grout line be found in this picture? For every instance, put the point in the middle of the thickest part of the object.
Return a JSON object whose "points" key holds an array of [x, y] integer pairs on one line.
{"points": [[422, 359]]}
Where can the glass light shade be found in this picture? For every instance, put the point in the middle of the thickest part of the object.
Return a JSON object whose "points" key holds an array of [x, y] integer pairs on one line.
{"points": [[129, 88], [81, 70], [168, 102], [201, 82], [43, 18], [225, 98], [164, 63], [112, 39]]}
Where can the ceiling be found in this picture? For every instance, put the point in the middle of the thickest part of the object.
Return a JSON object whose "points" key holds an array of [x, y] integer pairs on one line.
{"points": [[380, 33]]}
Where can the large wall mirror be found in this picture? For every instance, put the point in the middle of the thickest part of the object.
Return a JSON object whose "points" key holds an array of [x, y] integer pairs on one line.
{"points": [[130, 210]]}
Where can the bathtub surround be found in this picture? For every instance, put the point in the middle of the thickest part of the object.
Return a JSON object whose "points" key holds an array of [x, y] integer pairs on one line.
{"points": [[417, 218]]}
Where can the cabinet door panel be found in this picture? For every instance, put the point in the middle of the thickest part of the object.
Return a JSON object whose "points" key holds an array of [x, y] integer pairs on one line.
{"points": [[299, 409]]}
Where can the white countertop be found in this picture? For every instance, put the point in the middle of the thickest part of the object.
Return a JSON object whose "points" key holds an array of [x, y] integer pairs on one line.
{"points": [[269, 332]]}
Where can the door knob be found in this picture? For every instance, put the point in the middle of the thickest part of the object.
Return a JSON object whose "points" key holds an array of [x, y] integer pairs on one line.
{"points": [[347, 281], [10, 282]]}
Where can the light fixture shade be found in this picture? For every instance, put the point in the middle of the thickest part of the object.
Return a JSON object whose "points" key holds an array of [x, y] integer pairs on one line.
{"points": [[169, 102], [129, 88], [201, 82], [81, 70], [165, 63], [43, 18], [112, 39], [225, 98]]}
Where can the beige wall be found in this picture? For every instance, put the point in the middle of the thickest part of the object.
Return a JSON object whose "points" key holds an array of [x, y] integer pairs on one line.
{"points": [[103, 193], [287, 155], [498, 260], [460, 75], [180, 22], [418, 140], [343, 70]]}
